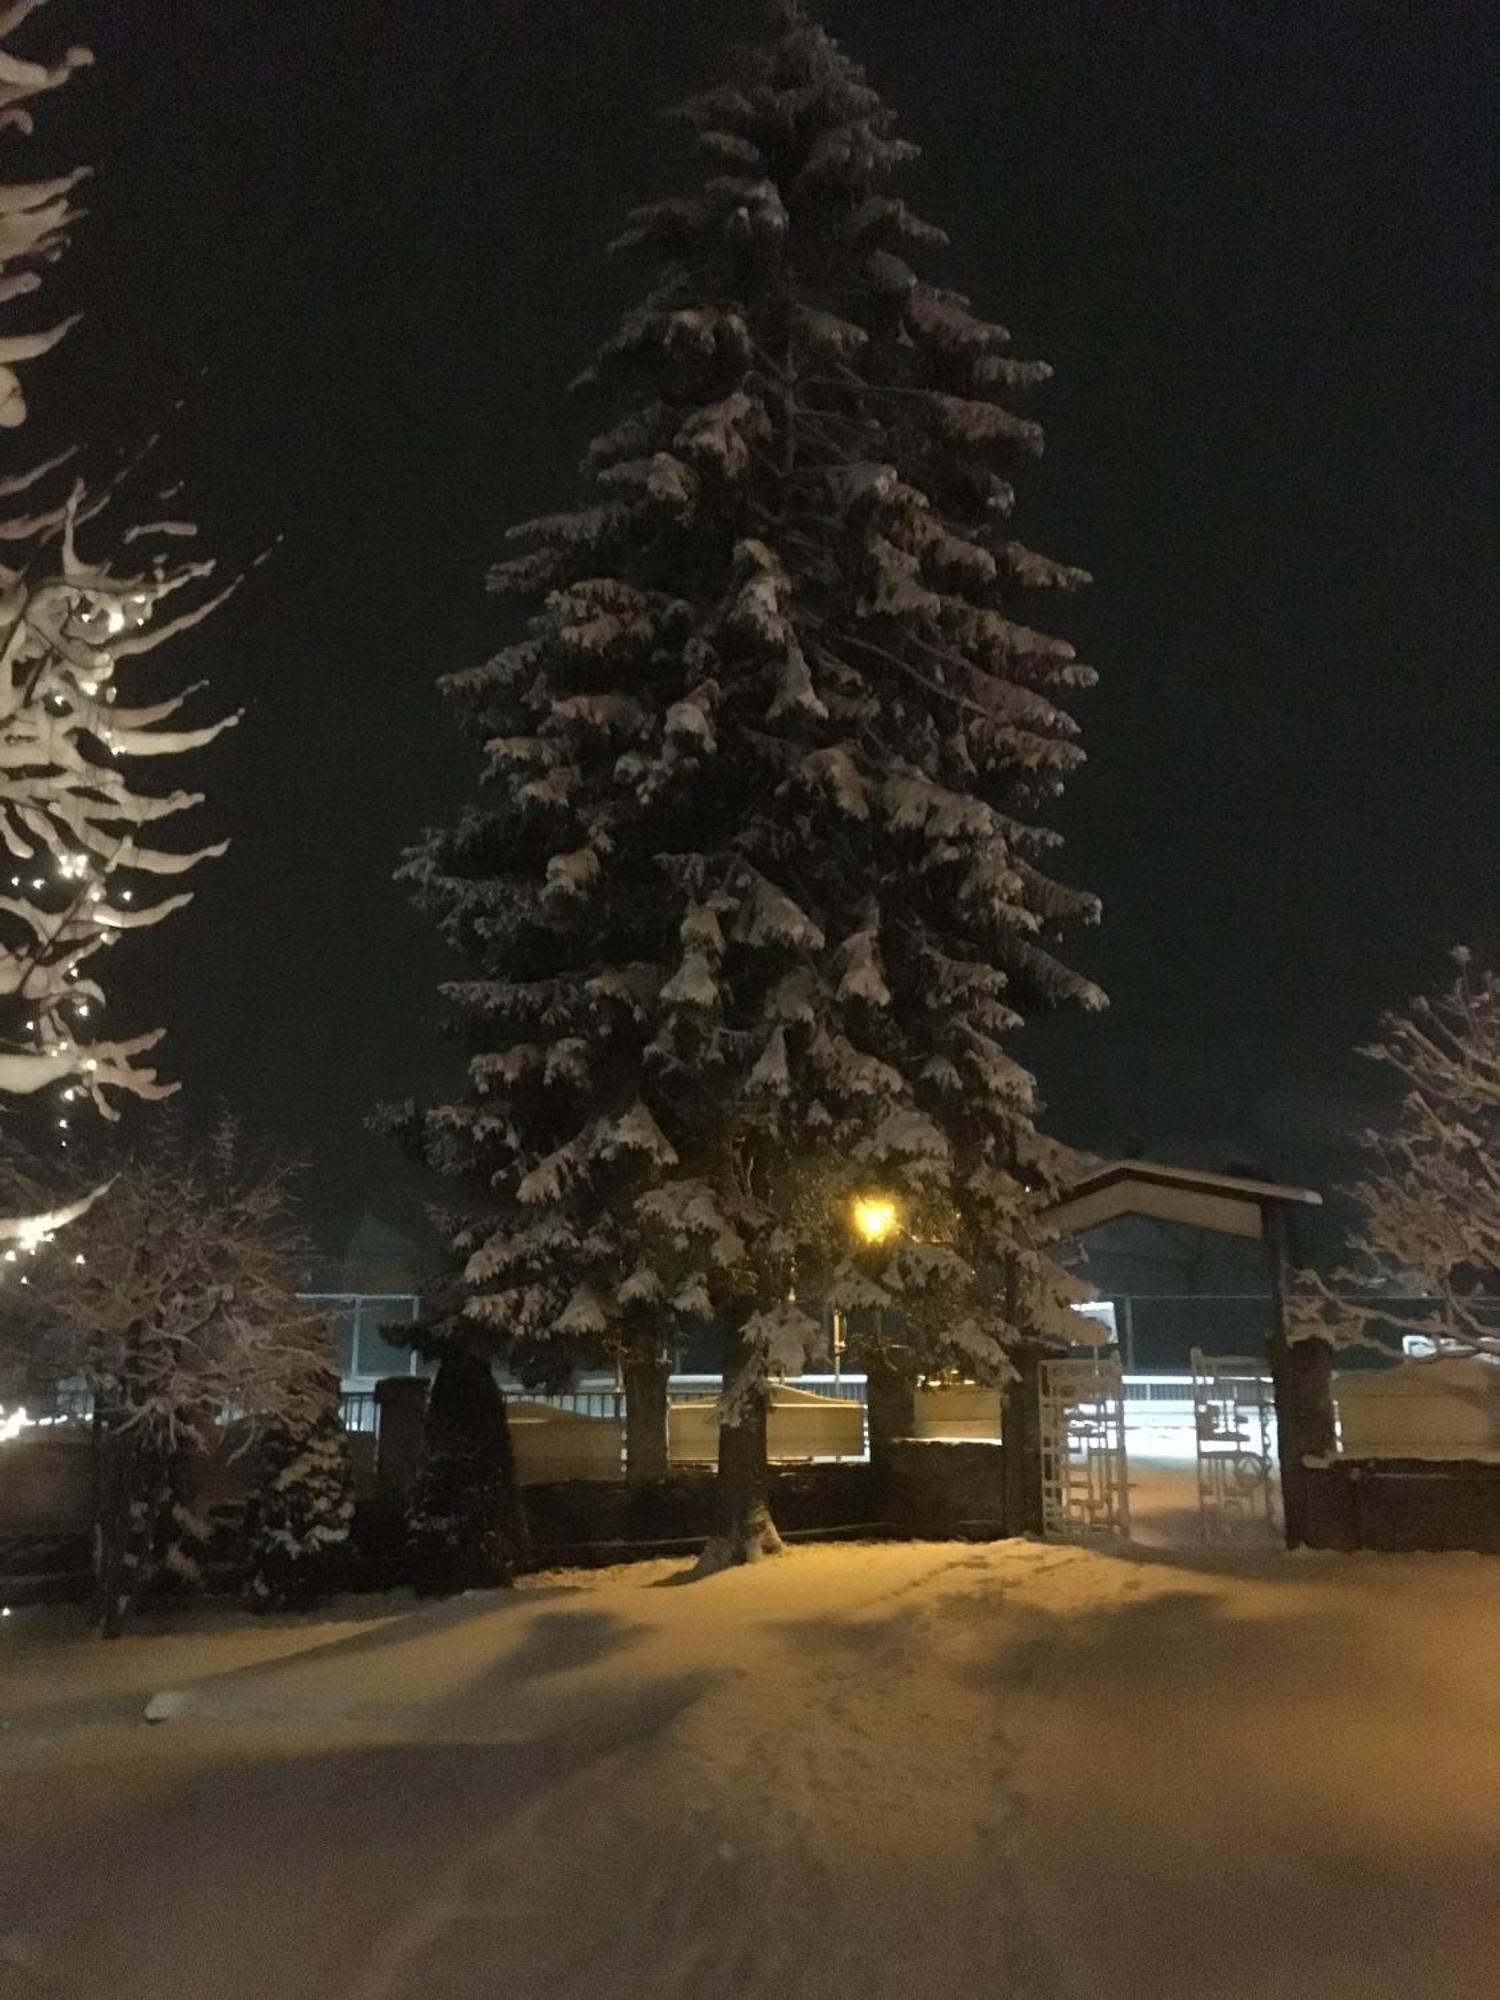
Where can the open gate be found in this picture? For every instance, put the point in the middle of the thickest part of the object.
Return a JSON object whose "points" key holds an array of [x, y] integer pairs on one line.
{"points": [[1234, 1415], [1085, 1488]]}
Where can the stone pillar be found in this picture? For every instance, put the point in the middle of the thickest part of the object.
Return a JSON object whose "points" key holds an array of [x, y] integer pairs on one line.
{"points": [[891, 1402], [1302, 1379], [401, 1401], [646, 1420]]}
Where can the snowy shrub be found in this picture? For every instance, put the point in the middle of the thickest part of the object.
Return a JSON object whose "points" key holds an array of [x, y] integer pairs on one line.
{"points": [[462, 1524], [1429, 1207], [302, 1508]]}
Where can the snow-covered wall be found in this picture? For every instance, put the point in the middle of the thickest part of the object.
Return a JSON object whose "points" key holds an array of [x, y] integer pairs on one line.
{"points": [[1431, 1409]]}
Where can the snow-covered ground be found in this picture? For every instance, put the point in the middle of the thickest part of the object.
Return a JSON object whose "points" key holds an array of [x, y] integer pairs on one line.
{"points": [[861, 1771]]}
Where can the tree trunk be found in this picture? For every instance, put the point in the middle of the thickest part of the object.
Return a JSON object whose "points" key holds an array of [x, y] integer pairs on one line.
{"points": [[743, 1528], [646, 1420]]}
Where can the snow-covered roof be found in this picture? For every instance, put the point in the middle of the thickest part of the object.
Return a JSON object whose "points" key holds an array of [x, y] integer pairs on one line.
{"points": [[1228, 1203]]}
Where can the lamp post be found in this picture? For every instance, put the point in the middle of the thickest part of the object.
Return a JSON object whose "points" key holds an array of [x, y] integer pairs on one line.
{"points": [[889, 1404], [875, 1219]]}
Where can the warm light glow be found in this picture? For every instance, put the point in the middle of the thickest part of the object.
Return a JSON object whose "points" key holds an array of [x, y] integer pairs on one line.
{"points": [[874, 1217]]}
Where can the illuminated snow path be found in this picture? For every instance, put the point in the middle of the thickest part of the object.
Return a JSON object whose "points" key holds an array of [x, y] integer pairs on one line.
{"points": [[875, 1771]]}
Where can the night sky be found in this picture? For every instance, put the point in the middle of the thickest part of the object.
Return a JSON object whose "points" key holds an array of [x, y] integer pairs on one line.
{"points": [[364, 242]]}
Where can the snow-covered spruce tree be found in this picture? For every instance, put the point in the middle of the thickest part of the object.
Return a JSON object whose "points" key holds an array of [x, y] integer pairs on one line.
{"points": [[462, 1522], [757, 890], [302, 1507], [74, 822], [1426, 1248]]}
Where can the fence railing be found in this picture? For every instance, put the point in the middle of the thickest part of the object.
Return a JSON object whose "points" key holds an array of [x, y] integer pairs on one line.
{"points": [[1158, 1389], [585, 1401], [359, 1411], [1166, 1395], [705, 1388]]}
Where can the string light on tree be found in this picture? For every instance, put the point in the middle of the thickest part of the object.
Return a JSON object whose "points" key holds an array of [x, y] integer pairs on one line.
{"points": [[70, 620]]}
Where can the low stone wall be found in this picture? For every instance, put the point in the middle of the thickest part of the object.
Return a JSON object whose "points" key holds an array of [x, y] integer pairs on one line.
{"points": [[940, 1490], [931, 1490], [46, 1478], [46, 1483], [43, 1569], [1405, 1504]]}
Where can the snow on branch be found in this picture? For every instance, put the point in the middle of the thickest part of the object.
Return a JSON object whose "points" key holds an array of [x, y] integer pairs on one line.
{"points": [[1426, 1250], [175, 1300], [76, 865]]}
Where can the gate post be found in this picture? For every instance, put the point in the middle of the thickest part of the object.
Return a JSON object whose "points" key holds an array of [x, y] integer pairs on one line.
{"points": [[890, 1401], [1021, 1435], [1302, 1376], [402, 1403], [646, 1383]]}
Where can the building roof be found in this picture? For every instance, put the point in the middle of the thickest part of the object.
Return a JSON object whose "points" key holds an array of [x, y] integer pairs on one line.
{"points": [[1224, 1202]]}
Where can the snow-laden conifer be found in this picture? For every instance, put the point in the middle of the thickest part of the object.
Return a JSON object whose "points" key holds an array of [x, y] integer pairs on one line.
{"points": [[760, 884]]}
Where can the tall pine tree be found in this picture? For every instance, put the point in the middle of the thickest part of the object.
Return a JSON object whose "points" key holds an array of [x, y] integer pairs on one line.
{"points": [[757, 889]]}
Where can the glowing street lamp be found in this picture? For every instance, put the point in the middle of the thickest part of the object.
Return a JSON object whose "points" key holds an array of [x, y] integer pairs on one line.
{"points": [[875, 1217]]}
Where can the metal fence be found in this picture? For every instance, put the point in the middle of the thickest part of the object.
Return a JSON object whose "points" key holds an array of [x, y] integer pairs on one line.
{"points": [[1142, 1390], [706, 1388], [586, 1401], [67, 1402]]}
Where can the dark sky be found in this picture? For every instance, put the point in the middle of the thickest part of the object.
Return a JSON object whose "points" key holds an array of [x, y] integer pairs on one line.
{"points": [[364, 241]]}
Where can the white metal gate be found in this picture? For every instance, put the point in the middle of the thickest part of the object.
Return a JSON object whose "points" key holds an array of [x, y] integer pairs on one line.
{"points": [[1235, 1415], [1085, 1489]]}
